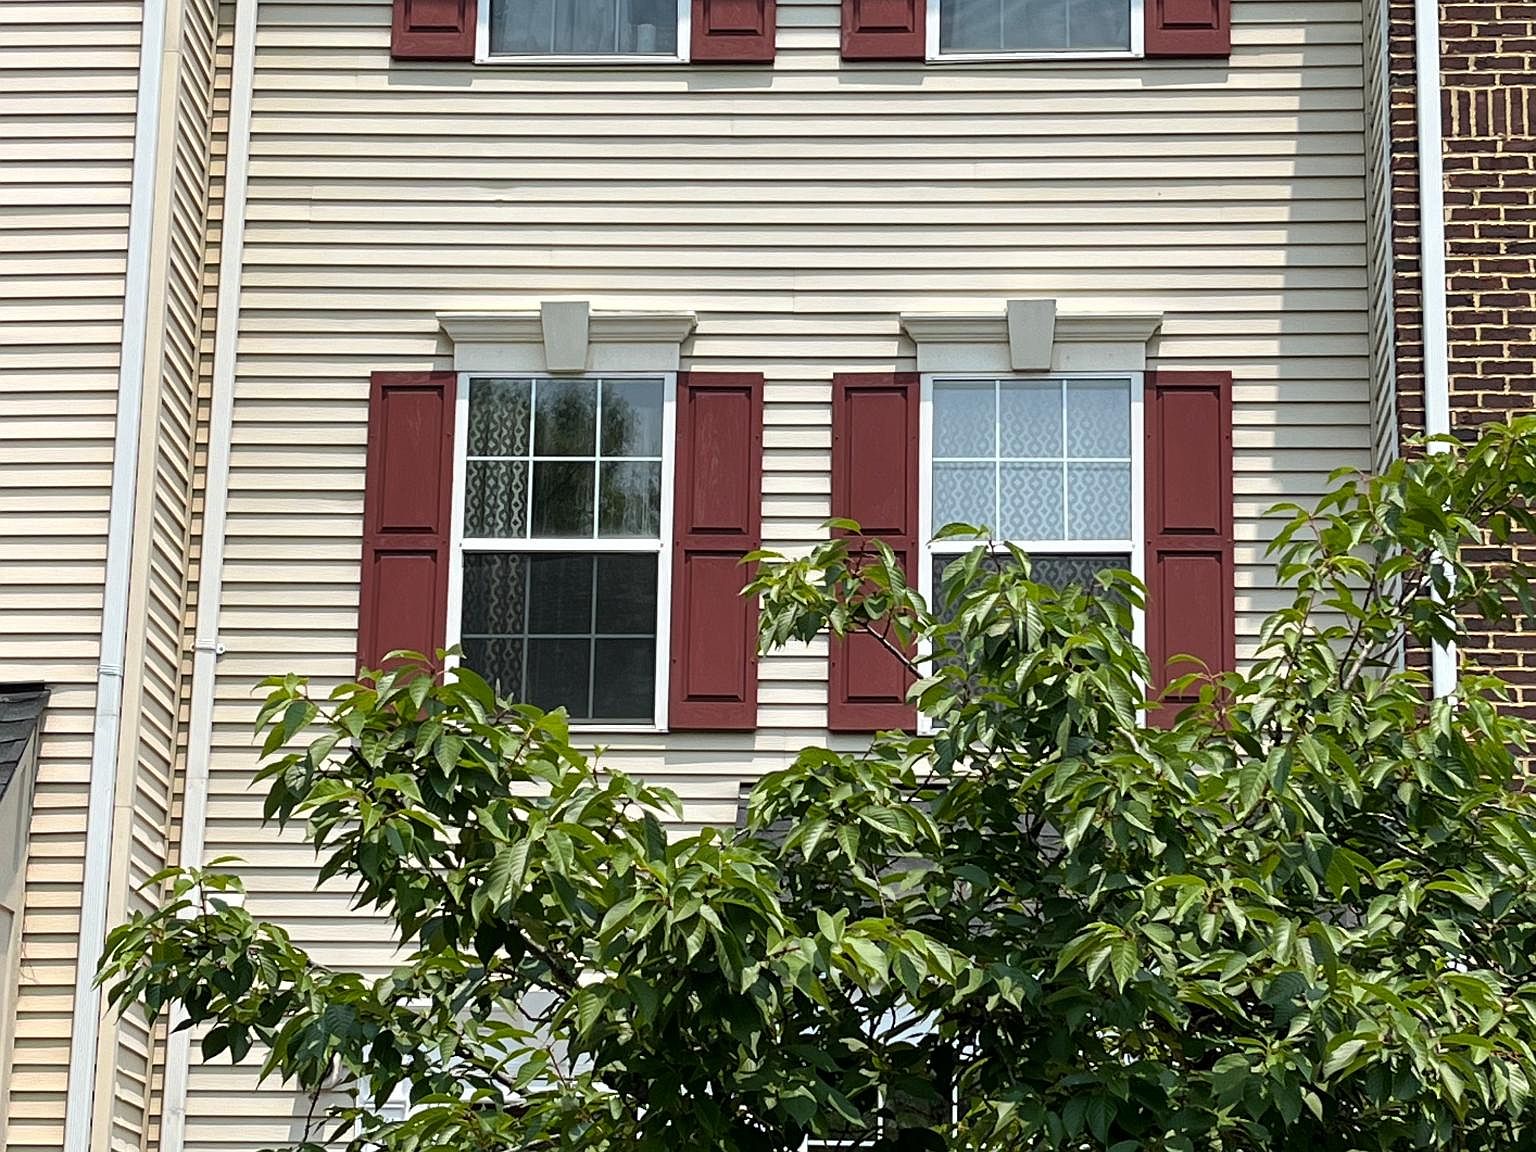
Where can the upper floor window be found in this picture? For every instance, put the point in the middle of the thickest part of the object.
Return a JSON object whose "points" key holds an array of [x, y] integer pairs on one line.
{"points": [[1051, 465], [1021, 29], [575, 31], [562, 567]]}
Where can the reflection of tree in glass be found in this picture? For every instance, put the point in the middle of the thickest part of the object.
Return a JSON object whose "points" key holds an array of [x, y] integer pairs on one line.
{"points": [[567, 418]]}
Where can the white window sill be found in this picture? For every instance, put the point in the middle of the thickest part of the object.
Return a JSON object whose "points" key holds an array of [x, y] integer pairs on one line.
{"points": [[615, 60], [1029, 57], [617, 730]]}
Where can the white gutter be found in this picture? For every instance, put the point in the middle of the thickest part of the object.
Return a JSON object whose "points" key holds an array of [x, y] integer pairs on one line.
{"points": [[106, 728], [1437, 389], [194, 808]]}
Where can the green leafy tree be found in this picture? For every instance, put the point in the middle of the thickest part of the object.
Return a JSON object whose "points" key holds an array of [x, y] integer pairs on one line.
{"points": [[1300, 915]]}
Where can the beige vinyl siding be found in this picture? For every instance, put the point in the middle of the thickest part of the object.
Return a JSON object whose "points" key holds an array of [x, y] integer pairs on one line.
{"points": [[68, 74], [1378, 214], [798, 210]]}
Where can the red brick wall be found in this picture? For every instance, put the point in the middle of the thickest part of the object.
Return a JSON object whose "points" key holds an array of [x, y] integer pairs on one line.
{"points": [[1488, 111]]}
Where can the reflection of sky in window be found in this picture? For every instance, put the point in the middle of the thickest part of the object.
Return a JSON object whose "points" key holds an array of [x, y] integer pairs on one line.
{"points": [[1034, 25], [583, 27]]}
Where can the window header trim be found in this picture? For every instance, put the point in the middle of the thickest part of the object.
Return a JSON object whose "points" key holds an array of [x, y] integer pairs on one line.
{"points": [[511, 343], [1103, 342]]}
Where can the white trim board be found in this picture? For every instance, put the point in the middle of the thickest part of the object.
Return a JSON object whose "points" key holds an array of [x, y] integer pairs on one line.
{"points": [[1083, 342], [617, 342]]}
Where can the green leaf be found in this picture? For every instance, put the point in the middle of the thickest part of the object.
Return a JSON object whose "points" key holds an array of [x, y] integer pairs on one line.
{"points": [[1124, 960]]}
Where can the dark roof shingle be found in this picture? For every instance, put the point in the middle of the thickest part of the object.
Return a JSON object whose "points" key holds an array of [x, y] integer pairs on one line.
{"points": [[20, 707]]}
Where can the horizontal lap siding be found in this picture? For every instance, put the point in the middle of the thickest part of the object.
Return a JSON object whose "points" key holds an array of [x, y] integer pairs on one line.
{"points": [[797, 209], [68, 78]]}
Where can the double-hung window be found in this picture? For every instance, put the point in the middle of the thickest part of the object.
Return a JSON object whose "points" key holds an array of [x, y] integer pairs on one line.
{"points": [[1052, 465], [1026, 29], [562, 580], [582, 31]]}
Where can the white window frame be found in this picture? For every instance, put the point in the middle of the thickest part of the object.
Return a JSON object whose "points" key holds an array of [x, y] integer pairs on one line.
{"points": [[483, 53], [936, 56], [577, 544], [1135, 546]]}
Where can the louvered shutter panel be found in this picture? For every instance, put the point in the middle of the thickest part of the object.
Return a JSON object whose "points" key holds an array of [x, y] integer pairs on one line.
{"points": [[717, 520], [732, 31], [874, 481], [885, 29], [1191, 590], [1188, 28], [407, 506], [433, 30]]}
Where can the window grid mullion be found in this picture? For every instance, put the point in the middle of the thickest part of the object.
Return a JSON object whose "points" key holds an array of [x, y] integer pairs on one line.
{"points": [[997, 422], [533, 424], [592, 644], [597, 438], [1066, 526], [527, 567]]}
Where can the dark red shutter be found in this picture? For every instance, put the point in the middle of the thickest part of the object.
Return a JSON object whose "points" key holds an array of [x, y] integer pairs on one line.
{"points": [[718, 519], [732, 31], [874, 481], [1188, 28], [407, 506], [433, 30], [885, 29], [1191, 590]]}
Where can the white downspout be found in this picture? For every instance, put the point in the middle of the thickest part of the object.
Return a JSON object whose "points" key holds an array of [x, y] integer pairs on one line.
{"points": [[1437, 388], [106, 728], [194, 808]]}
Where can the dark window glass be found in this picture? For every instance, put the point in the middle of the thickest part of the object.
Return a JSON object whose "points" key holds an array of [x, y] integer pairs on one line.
{"points": [[576, 630], [559, 675], [625, 682], [560, 595]]}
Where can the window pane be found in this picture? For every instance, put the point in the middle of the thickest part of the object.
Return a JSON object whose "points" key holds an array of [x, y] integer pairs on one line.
{"points": [[558, 673], [648, 26], [560, 595], [496, 498], [964, 493], [1034, 25], [562, 499], [495, 593], [631, 500], [632, 418], [565, 423], [1031, 502], [969, 26], [585, 28], [1030, 411], [964, 417], [1099, 499], [1103, 25], [1098, 418], [531, 623], [626, 595], [499, 661], [625, 685], [498, 417], [525, 27], [1060, 571]]}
